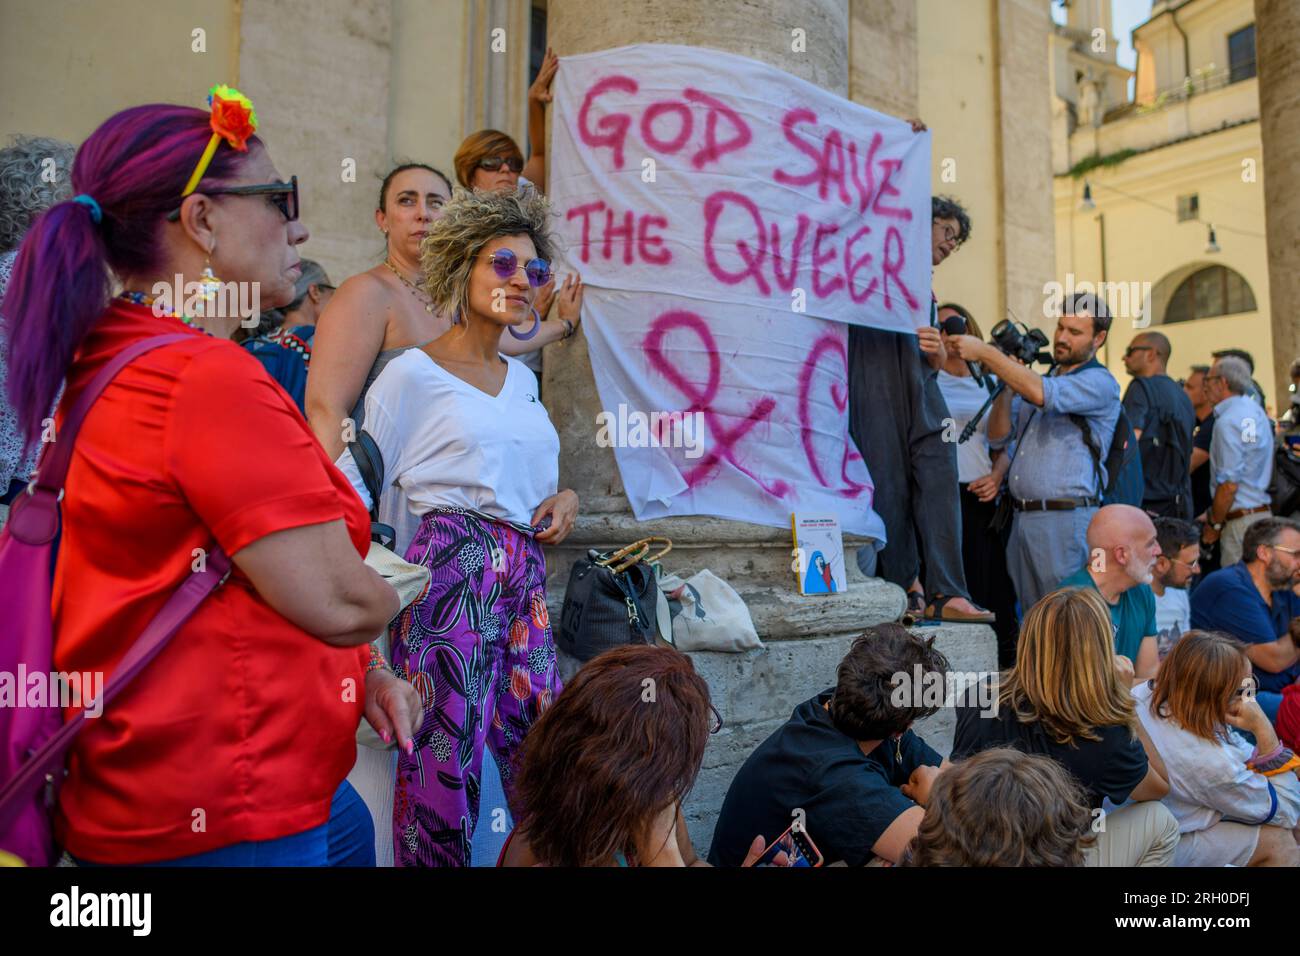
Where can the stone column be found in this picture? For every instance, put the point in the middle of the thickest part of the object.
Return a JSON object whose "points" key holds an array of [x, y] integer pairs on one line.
{"points": [[317, 71], [496, 54], [1024, 89], [1277, 37], [804, 637]]}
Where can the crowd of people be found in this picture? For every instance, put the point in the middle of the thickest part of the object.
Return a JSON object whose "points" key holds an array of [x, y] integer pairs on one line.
{"points": [[1125, 548]]}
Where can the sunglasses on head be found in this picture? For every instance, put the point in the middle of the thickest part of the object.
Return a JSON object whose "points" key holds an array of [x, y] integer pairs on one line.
{"points": [[505, 264], [493, 163], [284, 196]]}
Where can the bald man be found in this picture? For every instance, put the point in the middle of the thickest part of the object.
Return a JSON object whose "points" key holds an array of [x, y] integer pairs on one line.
{"points": [[1122, 548], [1163, 419]]}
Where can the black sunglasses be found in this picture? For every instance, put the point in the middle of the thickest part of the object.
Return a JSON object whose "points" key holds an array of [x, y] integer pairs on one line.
{"points": [[283, 195], [493, 163]]}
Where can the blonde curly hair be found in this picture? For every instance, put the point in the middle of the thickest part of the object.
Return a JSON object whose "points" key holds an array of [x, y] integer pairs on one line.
{"points": [[468, 223]]}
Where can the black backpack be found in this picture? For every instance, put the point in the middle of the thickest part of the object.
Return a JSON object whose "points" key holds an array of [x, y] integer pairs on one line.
{"points": [[1120, 472], [1165, 459], [1284, 490]]}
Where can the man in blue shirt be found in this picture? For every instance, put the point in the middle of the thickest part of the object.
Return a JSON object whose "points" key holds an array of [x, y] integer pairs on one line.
{"points": [[1241, 459], [1254, 601], [1055, 483], [1123, 545]]}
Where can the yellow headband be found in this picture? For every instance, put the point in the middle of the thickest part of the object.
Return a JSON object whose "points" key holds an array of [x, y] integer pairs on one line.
{"points": [[233, 119]]}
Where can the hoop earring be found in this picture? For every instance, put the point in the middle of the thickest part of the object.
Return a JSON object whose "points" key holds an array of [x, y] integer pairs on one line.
{"points": [[537, 324]]}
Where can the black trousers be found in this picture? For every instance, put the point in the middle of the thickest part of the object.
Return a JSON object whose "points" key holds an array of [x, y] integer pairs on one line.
{"points": [[984, 555], [896, 418]]}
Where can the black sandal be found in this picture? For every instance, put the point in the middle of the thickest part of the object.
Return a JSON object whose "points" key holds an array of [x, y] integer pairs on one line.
{"points": [[939, 611]]}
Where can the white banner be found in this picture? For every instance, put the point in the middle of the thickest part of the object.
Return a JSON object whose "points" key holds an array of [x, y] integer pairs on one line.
{"points": [[721, 212]]}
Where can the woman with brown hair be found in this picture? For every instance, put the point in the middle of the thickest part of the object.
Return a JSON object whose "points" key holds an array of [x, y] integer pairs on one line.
{"points": [[1003, 808], [1066, 699], [490, 160], [605, 770], [1236, 805]]}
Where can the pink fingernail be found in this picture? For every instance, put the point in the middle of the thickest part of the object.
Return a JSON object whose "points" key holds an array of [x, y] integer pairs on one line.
{"points": [[410, 747], [385, 736]]}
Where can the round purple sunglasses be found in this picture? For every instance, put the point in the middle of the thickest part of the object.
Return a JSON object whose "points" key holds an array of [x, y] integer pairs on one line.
{"points": [[505, 264]]}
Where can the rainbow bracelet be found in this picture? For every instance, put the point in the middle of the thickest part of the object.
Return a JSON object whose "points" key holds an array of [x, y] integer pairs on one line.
{"points": [[376, 661], [1280, 760]]}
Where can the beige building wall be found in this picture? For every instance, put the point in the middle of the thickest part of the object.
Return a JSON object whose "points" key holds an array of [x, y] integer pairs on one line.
{"points": [[426, 122], [985, 94], [957, 101], [370, 81], [1208, 144], [1146, 243], [67, 65]]}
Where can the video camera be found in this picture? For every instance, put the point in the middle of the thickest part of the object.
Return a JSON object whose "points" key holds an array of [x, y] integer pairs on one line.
{"points": [[1020, 342]]}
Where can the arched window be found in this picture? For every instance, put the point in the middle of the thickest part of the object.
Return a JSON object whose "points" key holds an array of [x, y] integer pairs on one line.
{"points": [[1214, 290]]}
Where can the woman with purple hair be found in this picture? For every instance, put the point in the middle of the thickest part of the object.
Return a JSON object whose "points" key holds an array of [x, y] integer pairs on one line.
{"points": [[231, 746]]}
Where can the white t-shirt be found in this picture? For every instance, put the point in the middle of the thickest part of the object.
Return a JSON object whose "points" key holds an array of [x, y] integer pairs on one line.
{"points": [[965, 397], [1209, 780], [447, 444], [1173, 618]]}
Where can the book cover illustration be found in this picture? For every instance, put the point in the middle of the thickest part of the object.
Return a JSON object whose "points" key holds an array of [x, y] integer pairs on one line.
{"points": [[818, 554]]}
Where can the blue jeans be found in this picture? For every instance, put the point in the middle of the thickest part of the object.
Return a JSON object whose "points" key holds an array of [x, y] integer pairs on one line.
{"points": [[347, 839]]}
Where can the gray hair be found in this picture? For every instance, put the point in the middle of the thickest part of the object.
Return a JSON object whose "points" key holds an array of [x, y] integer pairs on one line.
{"points": [[26, 189], [1236, 375], [468, 223]]}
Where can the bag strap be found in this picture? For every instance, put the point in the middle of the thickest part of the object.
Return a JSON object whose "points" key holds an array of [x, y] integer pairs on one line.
{"points": [[633, 553], [57, 457], [180, 605], [1094, 451], [370, 462]]}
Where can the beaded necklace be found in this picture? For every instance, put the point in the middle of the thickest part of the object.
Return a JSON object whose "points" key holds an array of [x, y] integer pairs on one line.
{"points": [[415, 290], [141, 298]]}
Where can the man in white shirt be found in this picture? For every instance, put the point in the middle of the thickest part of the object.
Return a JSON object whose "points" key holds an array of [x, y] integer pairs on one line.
{"points": [[1241, 458], [1178, 563]]}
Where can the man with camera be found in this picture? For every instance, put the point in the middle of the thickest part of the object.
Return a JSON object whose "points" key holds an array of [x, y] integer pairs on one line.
{"points": [[1056, 482]]}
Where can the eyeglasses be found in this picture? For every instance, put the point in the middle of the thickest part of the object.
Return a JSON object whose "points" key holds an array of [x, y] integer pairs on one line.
{"points": [[493, 163], [1190, 565], [1290, 551], [1211, 378], [284, 196], [951, 235], [715, 719], [505, 263], [1137, 348]]}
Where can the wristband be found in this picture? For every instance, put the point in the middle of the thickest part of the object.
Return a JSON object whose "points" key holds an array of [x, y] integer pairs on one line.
{"points": [[376, 661], [1279, 760], [568, 328]]}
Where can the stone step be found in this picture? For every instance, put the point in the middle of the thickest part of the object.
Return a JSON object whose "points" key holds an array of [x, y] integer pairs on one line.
{"points": [[756, 691]]}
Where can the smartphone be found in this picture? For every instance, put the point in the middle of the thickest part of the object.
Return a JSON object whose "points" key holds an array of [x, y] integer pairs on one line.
{"points": [[798, 846]]}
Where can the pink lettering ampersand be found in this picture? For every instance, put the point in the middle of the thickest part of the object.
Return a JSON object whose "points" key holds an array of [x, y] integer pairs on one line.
{"points": [[723, 439]]}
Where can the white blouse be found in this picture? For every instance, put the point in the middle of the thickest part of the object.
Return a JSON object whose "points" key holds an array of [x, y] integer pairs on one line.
{"points": [[447, 443], [965, 397]]}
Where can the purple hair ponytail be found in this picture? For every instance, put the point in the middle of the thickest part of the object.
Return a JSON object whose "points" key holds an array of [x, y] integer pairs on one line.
{"points": [[134, 167]]}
